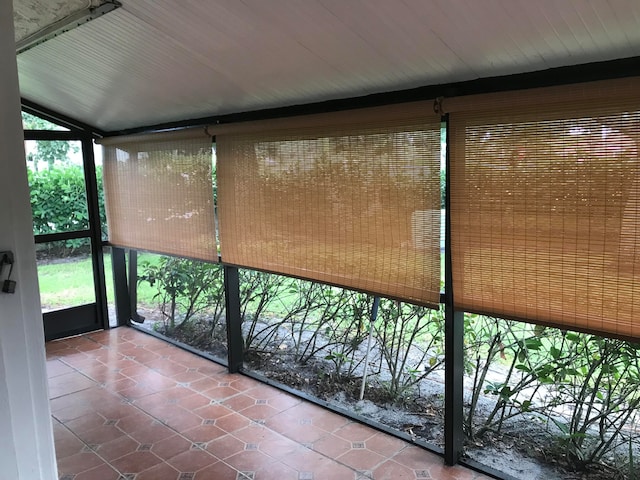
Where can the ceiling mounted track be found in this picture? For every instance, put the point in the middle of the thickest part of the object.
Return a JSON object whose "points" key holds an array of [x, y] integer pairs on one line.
{"points": [[48, 31]]}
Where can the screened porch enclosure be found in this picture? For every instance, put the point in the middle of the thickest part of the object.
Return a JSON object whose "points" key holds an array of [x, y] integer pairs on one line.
{"points": [[424, 216], [321, 234]]}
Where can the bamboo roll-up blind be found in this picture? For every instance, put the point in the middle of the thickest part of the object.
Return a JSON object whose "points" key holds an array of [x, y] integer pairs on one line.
{"points": [[349, 199], [159, 193], [545, 207]]}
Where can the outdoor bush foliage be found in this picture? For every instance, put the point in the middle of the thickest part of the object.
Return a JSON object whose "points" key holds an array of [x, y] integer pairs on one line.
{"points": [[411, 343], [58, 199], [584, 386], [185, 288], [583, 389]]}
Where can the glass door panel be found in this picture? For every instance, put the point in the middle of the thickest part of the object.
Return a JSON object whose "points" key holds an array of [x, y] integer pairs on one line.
{"points": [[65, 274], [57, 185], [67, 251]]}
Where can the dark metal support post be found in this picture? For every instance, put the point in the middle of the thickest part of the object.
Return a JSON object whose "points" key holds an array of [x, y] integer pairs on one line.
{"points": [[235, 345], [453, 343], [95, 228], [121, 291], [133, 287]]}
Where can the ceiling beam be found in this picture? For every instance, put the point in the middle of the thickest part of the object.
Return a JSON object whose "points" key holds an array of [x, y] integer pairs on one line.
{"points": [[60, 119]]}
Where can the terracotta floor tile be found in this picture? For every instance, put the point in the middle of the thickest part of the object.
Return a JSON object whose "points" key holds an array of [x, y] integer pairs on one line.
{"points": [[243, 384], [176, 393], [330, 421], [171, 446], [103, 472], [221, 393], [56, 346], [136, 462], [213, 412], [278, 446], [103, 374], [301, 432], [417, 458], [385, 444], [217, 424], [232, 423], [282, 402], [182, 420], [85, 423], [162, 471], [78, 463], [194, 401], [114, 408], [249, 460], [69, 383], [154, 433], [188, 376], [203, 433], [217, 471], [88, 346], [167, 367], [276, 470], [212, 369], [254, 433], [117, 448], [156, 381], [57, 367], [332, 446], [69, 413], [152, 401], [257, 412], [99, 435], [361, 459], [192, 460], [262, 391], [133, 370], [144, 356], [136, 421], [136, 391], [443, 472], [66, 443], [225, 446], [333, 470], [239, 402], [391, 470], [304, 459], [355, 432]]}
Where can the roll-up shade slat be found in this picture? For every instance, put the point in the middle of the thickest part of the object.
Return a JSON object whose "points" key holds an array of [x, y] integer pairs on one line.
{"points": [[159, 193], [545, 208], [350, 199]]}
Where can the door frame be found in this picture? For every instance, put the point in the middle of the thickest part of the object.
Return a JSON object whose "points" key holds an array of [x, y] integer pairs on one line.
{"points": [[93, 316]]}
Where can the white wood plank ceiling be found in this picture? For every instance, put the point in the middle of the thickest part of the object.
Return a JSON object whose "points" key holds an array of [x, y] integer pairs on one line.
{"points": [[154, 61]]}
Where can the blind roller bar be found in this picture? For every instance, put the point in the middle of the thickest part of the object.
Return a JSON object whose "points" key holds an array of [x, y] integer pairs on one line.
{"points": [[156, 137], [365, 116], [587, 92]]}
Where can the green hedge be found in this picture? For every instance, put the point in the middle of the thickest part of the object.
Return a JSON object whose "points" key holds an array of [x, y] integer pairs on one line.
{"points": [[58, 199]]}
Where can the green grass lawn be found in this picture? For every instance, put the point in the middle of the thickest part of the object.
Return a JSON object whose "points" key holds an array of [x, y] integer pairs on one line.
{"points": [[70, 283]]}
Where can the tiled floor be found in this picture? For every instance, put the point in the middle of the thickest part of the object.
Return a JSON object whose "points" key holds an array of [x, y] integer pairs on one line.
{"points": [[129, 406]]}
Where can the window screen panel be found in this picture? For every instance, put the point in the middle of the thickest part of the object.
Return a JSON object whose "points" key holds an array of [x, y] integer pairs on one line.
{"points": [[159, 193], [545, 207], [349, 203]]}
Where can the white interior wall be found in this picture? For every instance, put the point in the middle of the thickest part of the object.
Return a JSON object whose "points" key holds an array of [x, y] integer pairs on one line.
{"points": [[26, 436]]}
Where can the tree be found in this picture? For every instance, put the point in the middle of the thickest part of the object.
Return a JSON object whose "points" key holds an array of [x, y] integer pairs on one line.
{"points": [[46, 150]]}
